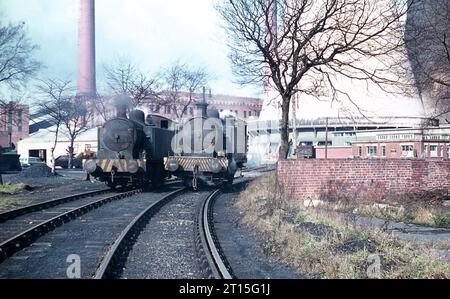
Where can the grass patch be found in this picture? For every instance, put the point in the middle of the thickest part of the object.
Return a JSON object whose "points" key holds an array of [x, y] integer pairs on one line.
{"points": [[5, 202], [324, 246], [442, 220], [403, 209], [11, 188]]}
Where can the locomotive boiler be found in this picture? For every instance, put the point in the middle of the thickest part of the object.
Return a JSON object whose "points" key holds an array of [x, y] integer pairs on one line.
{"points": [[208, 149], [132, 150]]}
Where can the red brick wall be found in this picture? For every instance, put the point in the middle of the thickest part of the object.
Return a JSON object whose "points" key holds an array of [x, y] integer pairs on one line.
{"points": [[334, 152], [317, 178]]}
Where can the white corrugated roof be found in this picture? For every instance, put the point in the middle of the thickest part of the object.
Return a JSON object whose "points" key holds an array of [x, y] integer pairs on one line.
{"points": [[48, 135]]}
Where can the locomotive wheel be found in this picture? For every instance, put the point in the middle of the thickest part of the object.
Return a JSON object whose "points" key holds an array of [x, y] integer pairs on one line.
{"points": [[147, 186], [157, 176], [111, 185], [187, 182]]}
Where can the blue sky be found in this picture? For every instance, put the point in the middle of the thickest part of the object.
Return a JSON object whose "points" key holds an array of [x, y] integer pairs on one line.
{"points": [[152, 33]]}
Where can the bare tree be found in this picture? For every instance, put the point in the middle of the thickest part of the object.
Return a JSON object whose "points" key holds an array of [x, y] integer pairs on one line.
{"points": [[123, 77], [17, 64], [55, 95], [144, 88], [314, 43], [7, 107], [16, 50], [76, 115], [120, 75], [428, 43], [181, 79], [101, 106]]}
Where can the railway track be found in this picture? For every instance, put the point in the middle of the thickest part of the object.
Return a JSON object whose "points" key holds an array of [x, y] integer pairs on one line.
{"points": [[210, 254], [210, 257], [106, 257], [19, 220], [116, 255], [32, 226], [9, 215]]}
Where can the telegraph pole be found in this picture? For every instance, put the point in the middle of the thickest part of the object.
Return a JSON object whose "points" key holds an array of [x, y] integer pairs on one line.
{"points": [[326, 140]]}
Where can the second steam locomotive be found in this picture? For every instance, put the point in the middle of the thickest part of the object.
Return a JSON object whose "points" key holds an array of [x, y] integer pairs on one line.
{"points": [[208, 149]]}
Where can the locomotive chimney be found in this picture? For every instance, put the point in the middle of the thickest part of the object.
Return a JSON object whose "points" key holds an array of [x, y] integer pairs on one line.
{"points": [[201, 106], [86, 82], [122, 103]]}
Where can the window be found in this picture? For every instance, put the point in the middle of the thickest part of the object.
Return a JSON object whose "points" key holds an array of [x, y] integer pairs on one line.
{"points": [[245, 114], [249, 114], [20, 120], [383, 151], [433, 151], [407, 148], [359, 151], [371, 151], [273, 148], [191, 111], [10, 120]]}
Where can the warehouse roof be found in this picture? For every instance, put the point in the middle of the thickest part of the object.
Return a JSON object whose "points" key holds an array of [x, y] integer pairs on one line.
{"points": [[48, 135]]}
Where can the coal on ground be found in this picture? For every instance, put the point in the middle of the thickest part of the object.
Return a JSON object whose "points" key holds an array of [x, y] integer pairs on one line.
{"points": [[36, 171]]}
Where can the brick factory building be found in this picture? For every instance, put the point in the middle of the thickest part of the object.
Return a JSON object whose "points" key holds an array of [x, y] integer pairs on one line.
{"points": [[14, 124], [242, 107], [426, 143], [334, 136]]}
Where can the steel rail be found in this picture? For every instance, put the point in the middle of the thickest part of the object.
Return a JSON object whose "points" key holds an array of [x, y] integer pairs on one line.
{"points": [[126, 239], [28, 237], [9, 215], [208, 242]]}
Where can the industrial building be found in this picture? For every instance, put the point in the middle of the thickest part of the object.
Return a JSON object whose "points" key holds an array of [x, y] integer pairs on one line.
{"points": [[424, 143], [40, 144], [336, 138], [14, 124]]}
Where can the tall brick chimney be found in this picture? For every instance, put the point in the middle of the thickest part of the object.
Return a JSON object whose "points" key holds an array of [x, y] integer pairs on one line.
{"points": [[86, 80]]}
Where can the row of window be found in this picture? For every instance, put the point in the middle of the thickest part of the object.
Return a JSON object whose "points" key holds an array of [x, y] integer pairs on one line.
{"points": [[169, 110], [372, 151], [190, 111], [408, 150], [346, 134], [10, 120]]}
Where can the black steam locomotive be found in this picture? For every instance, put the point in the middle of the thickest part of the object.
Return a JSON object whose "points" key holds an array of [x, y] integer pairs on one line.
{"points": [[208, 150], [132, 150]]}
